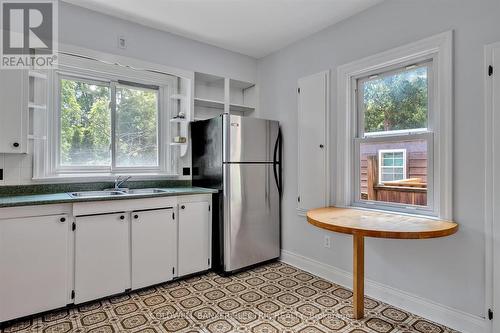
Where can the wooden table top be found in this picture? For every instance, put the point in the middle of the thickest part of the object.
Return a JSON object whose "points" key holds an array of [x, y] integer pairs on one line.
{"points": [[377, 224]]}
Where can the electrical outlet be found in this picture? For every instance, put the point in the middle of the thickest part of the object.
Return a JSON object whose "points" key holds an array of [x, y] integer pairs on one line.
{"points": [[327, 242]]}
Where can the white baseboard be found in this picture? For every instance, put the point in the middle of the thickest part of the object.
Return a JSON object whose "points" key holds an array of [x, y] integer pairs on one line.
{"points": [[455, 319]]}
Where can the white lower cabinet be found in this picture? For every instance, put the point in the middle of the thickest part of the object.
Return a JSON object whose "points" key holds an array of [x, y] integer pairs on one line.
{"points": [[33, 265], [98, 253], [102, 256], [154, 241], [194, 250]]}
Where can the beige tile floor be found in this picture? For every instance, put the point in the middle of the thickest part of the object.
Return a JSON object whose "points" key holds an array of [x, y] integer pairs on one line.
{"points": [[269, 299]]}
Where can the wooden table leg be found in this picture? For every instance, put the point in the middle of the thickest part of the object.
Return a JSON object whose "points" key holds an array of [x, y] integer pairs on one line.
{"points": [[358, 276]]}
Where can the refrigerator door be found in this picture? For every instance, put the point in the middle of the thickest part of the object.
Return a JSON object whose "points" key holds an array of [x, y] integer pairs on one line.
{"points": [[251, 215], [206, 139], [249, 139]]}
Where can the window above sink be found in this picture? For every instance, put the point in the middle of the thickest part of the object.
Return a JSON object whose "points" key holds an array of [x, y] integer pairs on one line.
{"points": [[108, 117]]}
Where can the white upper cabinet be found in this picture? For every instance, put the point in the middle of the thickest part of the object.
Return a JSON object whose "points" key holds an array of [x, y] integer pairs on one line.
{"points": [[154, 244], [194, 237], [313, 124], [34, 253], [13, 111], [102, 256]]}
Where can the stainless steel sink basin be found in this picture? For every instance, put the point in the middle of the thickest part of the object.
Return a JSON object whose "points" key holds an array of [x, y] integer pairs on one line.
{"points": [[96, 194], [112, 193], [145, 191]]}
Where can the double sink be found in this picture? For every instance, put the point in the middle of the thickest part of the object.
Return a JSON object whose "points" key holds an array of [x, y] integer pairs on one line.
{"points": [[113, 193]]}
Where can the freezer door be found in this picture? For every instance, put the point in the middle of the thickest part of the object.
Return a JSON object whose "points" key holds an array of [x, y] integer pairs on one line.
{"points": [[249, 139], [251, 215]]}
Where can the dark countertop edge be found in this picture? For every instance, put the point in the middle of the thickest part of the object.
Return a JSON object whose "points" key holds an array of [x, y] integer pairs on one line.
{"points": [[34, 202]]}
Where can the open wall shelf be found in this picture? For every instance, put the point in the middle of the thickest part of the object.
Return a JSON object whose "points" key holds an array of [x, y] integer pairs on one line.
{"points": [[207, 103], [38, 75], [215, 95], [181, 98], [179, 120], [208, 87], [242, 95], [241, 108]]}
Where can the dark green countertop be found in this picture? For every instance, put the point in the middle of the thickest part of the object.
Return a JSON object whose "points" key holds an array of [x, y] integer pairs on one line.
{"points": [[57, 198]]}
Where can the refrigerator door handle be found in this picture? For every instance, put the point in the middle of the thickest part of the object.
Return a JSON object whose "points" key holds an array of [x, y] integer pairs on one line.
{"points": [[277, 163]]}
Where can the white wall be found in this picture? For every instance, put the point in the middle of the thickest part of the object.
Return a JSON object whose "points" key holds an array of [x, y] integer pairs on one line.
{"points": [[100, 32], [449, 271], [92, 30]]}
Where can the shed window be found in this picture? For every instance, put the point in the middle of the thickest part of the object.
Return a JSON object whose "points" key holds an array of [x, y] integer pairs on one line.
{"points": [[392, 165]]}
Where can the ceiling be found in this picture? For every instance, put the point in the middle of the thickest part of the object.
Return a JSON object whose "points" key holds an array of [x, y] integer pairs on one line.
{"points": [[252, 27]]}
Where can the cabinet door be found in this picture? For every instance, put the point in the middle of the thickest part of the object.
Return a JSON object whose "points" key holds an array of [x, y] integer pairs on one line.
{"points": [[312, 178], [194, 237], [153, 247], [33, 265], [13, 111], [102, 256]]}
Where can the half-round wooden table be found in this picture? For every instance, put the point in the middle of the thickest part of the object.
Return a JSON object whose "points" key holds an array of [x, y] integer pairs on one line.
{"points": [[365, 223]]}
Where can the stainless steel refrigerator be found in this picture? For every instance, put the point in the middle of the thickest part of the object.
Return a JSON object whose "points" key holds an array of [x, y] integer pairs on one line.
{"points": [[241, 157]]}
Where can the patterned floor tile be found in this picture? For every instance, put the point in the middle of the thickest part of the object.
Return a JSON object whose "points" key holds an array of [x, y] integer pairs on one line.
{"points": [[271, 298]]}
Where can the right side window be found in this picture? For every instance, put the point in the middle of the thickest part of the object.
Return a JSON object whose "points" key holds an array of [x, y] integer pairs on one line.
{"points": [[394, 138]]}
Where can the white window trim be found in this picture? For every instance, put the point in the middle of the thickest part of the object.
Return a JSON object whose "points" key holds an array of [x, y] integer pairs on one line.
{"points": [[381, 152], [130, 70], [438, 47], [78, 68]]}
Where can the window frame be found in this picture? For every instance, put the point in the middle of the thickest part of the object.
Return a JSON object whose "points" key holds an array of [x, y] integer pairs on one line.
{"points": [[396, 136], [92, 71], [439, 48], [381, 152]]}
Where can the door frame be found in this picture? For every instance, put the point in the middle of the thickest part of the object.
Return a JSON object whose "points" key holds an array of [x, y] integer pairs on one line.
{"points": [[491, 228]]}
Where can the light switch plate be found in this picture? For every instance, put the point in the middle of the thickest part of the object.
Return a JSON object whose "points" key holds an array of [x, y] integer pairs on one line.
{"points": [[122, 42]]}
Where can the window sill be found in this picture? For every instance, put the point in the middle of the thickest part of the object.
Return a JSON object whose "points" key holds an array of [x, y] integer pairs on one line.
{"points": [[105, 177], [393, 209]]}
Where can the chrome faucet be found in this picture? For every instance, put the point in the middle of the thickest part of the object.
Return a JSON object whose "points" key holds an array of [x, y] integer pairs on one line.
{"points": [[119, 181]]}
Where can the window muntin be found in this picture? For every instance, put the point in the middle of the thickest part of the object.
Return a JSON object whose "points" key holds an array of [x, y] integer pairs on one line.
{"points": [[392, 165], [394, 140], [136, 129], [85, 128]]}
